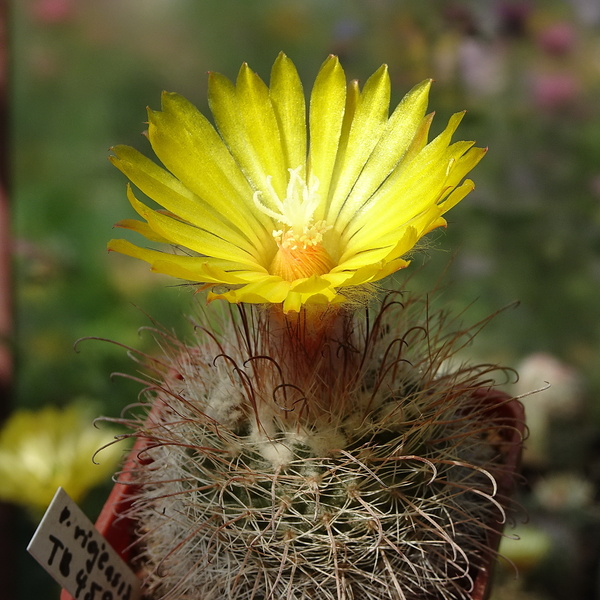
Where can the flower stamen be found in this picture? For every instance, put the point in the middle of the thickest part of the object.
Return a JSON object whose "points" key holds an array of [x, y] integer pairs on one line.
{"points": [[301, 252]]}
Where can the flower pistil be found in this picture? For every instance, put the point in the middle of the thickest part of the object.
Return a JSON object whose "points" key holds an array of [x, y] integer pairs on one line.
{"points": [[300, 250]]}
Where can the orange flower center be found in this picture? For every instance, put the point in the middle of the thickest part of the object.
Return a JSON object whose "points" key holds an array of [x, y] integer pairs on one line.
{"points": [[300, 249], [294, 261]]}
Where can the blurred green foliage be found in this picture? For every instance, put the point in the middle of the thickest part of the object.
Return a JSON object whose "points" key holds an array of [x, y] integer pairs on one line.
{"points": [[528, 72]]}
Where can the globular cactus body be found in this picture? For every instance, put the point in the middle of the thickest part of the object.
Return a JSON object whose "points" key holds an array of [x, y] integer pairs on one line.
{"points": [[330, 458]]}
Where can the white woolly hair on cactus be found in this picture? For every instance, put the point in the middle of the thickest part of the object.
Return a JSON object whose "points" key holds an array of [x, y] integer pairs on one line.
{"points": [[285, 464]]}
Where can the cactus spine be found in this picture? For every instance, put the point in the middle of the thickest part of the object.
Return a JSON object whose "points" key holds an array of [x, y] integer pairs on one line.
{"points": [[328, 456]]}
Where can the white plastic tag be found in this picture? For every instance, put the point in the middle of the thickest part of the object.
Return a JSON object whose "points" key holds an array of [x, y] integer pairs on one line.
{"points": [[78, 557]]}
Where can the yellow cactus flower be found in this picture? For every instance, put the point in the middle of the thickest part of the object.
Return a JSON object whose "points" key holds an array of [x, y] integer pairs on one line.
{"points": [[273, 209], [42, 450]]}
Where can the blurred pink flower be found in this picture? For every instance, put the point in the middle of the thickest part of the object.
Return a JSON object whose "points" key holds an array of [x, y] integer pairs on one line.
{"points": [[557, 39], [563, 397], [52, 11], [564, 491], [595, 185], [560, 396], [554, 91]]}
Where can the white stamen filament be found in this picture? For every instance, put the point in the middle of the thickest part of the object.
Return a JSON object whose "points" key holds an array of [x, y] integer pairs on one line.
{"points": [[296, 212]]}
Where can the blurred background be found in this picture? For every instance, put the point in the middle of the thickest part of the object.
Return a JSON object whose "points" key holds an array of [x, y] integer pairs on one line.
{"points": [[528, 72]]}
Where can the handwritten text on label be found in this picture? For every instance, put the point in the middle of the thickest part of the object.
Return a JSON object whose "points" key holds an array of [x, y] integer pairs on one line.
{"points": [[78, 557]]}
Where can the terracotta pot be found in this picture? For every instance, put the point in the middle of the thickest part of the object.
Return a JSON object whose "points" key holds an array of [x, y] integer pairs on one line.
{"points": [[510, 416], [111, 523], [506, 412]]}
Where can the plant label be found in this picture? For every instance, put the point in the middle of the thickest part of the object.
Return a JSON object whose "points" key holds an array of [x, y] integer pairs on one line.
{"points": [[78, 557]]}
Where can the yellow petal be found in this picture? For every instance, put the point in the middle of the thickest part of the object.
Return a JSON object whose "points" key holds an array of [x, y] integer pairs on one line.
{"points": [[187, 144], [389, 268], [396, 244], [269, 290], [457, 195], [368, 124], [418, 142], [327, 102], [262, 141], [294, 300], [287, 98], [408, 236], [188, 236], [172, 195], [366, 274], [195, 267], [205, 273], [329, 297], [143, 228], [407, 193], [401, 128], [310, 285], [465, 164], [240, 123], [352, 100]]}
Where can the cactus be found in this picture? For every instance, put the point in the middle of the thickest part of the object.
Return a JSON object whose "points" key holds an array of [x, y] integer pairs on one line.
{"points": [[302, 445], [332, 457]]}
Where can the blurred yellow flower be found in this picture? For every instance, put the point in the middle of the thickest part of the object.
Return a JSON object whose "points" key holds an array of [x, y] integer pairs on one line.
{"points": [[278, 210], [42, 450]]}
